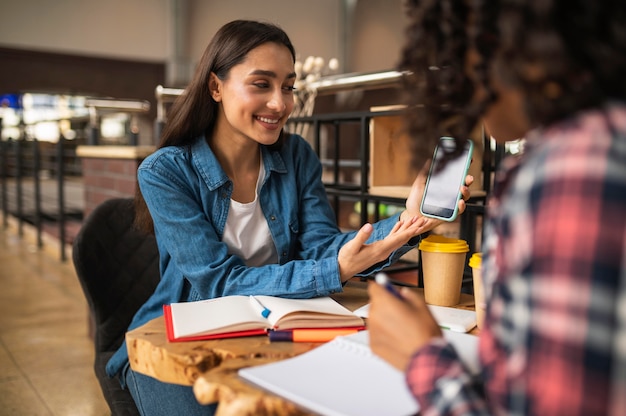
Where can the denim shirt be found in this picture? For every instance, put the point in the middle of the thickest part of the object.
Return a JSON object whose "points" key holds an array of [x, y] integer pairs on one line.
{"points": [[188, 195]]}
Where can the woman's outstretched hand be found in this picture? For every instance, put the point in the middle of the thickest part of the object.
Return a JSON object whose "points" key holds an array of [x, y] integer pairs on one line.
{"points": [[356, 256]]}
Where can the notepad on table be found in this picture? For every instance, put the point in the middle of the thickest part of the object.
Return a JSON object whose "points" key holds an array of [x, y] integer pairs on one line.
{"points": [[345, 378], [454, 319], [238, 315]]}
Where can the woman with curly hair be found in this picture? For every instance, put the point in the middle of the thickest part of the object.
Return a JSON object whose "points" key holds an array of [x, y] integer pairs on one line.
{"points": [[554, 255]]}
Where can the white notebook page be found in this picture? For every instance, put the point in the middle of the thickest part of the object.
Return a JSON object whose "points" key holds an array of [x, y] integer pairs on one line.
{"points": [[454, 319], [340, 378], [344, 377]]}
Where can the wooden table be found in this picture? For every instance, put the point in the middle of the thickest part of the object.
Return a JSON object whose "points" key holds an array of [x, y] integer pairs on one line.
{"points": [[211, 366]]}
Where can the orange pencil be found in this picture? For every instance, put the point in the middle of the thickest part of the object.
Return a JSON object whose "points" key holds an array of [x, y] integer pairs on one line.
{"points": [[311, 334]]}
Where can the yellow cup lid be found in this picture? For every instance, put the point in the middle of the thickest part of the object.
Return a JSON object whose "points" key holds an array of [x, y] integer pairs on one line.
{"points": [[440, 244], [475, 262]]}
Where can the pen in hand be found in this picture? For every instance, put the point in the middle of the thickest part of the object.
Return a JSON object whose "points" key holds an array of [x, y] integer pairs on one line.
{"points": [[383, 280]]}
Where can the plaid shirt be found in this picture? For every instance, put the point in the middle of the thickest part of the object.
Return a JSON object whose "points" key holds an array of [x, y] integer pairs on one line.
{"points": [[554, 339]]}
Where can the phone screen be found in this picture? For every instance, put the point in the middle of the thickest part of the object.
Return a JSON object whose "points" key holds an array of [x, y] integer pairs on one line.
{"points": [[443, 186]]}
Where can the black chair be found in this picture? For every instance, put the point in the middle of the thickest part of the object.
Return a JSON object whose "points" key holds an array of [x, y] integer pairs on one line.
{"points": [[118, 269]]}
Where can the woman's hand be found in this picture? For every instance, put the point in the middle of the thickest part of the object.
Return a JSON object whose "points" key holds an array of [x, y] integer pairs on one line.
{"points": [[356, 256], [398, 328], [417, 192]]}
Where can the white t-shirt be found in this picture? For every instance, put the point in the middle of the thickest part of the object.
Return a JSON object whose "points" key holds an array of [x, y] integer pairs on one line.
{"points": [[246, 232]]}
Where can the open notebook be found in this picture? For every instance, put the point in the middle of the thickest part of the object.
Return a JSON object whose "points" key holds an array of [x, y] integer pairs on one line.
{"points": [[344, 378], [237, 316]]}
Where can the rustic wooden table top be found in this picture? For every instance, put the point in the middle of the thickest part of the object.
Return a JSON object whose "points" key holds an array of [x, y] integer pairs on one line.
{"points": [[211, 366]]}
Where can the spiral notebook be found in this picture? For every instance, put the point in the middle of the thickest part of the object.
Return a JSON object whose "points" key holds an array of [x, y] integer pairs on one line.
{"points": [[345, 378]]}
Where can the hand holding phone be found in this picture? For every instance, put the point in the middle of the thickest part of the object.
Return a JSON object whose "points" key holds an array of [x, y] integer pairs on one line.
{"points": [[443, 186]]}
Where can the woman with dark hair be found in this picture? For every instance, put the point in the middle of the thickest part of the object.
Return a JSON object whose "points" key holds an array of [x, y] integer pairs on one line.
{"points": [[238, 206], [554, 255]]}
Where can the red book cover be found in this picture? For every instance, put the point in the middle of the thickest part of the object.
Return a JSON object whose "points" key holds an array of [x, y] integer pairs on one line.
{"points": [[169, 330]]}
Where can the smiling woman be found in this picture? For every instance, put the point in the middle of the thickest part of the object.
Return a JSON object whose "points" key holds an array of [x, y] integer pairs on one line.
{"points": [[238, 206], [256, 99]]}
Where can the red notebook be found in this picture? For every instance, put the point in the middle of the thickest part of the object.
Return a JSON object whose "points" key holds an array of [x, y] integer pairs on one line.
{"points": [[239, 316], [169, 329]]}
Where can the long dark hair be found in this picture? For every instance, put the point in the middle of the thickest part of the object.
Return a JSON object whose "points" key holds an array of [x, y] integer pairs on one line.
{"points": [[194, 112], [565, 55]]}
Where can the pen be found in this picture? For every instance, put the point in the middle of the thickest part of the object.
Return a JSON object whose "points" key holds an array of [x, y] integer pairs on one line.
{"points": [[259, 306], [383, 280], [311, 334]]}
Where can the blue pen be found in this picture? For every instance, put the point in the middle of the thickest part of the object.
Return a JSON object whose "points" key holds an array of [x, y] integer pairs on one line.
{"points": [[262, 309], [383, 280]]}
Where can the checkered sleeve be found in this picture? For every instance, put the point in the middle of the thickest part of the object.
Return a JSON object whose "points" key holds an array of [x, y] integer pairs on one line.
{"points": [[553, 338], [441, 383]]}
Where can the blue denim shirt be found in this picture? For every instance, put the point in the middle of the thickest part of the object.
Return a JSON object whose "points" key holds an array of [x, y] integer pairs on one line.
{"points": [[188, 195]]}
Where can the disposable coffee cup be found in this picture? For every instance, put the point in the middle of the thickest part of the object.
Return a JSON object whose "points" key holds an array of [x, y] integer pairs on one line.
{"points": [[443, 264], [475, 262]]}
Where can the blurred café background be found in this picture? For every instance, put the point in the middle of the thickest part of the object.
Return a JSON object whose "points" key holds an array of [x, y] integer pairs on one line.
{"points": [[84, 90]]}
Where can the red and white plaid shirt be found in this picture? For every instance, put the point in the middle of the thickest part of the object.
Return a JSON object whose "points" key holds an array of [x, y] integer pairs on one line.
{"points": [[554, 339]]}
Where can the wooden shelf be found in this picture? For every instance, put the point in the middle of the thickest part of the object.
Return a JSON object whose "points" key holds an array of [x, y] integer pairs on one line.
{"points": [[398, 191], [390, 155]]}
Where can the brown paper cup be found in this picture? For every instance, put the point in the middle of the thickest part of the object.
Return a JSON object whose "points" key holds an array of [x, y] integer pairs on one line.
{"points": [[443, 276]]}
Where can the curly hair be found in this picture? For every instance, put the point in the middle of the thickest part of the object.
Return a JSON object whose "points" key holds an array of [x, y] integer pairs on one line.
{"points": [[565, 55], [442, 99]]}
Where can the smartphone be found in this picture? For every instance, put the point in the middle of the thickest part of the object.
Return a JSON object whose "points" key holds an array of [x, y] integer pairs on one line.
{"points": [[443, 186]]}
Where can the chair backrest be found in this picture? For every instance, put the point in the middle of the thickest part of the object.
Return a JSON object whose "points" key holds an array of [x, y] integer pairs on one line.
{"points": [[118, 268]]}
